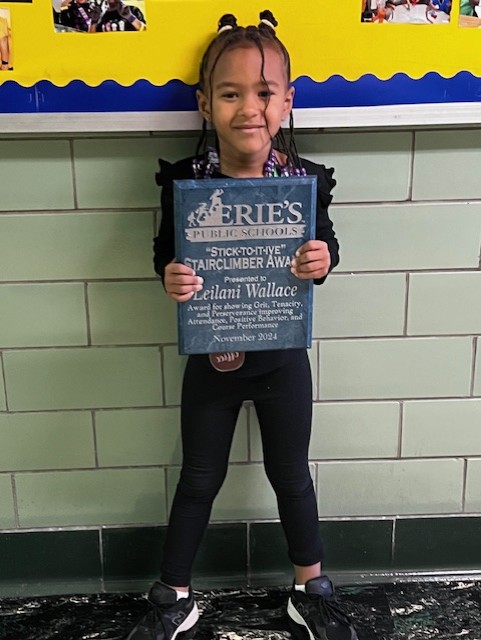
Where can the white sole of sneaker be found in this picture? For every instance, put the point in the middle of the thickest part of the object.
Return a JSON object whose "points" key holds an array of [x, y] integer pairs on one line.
{"points": [[189, 622], [294, 615]]}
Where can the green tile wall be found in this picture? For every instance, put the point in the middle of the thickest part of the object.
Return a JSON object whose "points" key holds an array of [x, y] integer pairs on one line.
{"points": [[75, 246], [49, 440], [355, 430], [390, 487], [61, 555], [347, 430], [90, 376], [362, 545], [439, 155], [58, 309], [138, 437], [36, 175], [7, 514], [477, 375], [360, 305], [399, 368], [83, 378], [473, 482], [129, 181], [447, 542], [131, 313], [173, 369], [245, 495], [2, 387], [65, 498], [358, 159], [442, 428], [444, 303], [390, 237], [232, 554]]}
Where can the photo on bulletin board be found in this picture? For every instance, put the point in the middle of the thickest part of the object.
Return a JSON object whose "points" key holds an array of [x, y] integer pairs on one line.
{"points": [[406, 11], [98, 16], [6, 40], [469, 13]]}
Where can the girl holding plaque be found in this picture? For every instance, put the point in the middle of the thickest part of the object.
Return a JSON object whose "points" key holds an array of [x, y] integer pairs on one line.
{"points": [[245, 94]]}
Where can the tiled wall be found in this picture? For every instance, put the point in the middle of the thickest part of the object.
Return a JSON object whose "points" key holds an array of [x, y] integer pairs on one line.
{"points": [[90, 376]]}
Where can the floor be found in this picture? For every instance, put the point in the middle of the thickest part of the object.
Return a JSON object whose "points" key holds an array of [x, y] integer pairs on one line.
{"points": [[403, 611]]}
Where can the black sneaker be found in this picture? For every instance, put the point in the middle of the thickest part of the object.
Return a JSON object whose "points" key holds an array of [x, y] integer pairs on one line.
{"points": [[318, 612], [166, 617]]}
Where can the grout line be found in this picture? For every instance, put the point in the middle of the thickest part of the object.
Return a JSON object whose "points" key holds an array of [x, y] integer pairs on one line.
{"points": [[89, 347], [393, 539], [465, 483], [473, 366], [94, 435], [102, 557], [166, 496], [336, 401], [85, 210], [4, 379], [358, 204], [78, 281], [15, 501], [248, 560], [411, 167], [337, 274], [257, 464], [337, 519], [400, 429], [162, 374], [87, 315], [74, 177], [406, 305]]}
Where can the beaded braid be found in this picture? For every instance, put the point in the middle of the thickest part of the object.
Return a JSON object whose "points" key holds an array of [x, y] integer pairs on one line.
{"points": [[231, 36]]}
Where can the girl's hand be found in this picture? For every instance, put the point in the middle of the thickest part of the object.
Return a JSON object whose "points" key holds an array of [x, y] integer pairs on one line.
{"points": [[180, 281], [312, 260]]}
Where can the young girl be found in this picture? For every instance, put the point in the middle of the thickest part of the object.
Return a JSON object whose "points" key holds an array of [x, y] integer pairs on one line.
{"points": [[245, 94]]}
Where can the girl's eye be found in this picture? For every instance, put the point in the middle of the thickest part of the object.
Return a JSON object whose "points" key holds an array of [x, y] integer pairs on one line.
{"points": [[229, 95], [265, 94]]}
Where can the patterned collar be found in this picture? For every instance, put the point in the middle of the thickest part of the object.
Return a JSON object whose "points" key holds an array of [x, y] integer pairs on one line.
{"points": [[205, 167]]}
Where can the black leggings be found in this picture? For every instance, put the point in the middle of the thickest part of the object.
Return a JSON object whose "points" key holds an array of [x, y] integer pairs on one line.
{"points": [[211, 402]]}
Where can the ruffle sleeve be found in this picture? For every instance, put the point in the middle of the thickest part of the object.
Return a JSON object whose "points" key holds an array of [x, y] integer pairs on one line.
{"points": [[165, 173], [325, 180], [324, 226]]}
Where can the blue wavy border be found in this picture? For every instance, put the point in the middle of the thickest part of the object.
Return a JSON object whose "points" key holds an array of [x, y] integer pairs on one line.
{"points": [[45, 97]]}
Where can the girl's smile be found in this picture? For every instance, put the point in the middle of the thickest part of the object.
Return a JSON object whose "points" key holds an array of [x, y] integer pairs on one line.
{"points": [[246, 108]]}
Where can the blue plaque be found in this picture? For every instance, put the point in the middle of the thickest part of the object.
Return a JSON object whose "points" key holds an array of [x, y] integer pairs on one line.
{"points": [[240, 236]]}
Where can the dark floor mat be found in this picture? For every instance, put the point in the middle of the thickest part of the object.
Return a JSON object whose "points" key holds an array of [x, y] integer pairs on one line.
{"points": [[405, 611]]}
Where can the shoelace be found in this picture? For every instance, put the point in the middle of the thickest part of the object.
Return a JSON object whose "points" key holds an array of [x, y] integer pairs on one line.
{"points": [[330, 610], [151, 618]]}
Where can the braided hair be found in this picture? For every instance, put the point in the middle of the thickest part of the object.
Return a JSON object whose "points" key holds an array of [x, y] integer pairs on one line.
{"points": [[231, 36]]}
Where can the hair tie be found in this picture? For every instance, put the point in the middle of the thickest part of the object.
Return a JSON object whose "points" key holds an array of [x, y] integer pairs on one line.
{"points": [[266, 17], [227, 22]]}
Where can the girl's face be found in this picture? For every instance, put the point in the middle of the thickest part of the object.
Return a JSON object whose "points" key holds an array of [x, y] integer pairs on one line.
{"points": [[247, 113]]}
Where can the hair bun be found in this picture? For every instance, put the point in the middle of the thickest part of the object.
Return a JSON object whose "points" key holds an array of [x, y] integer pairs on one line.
{"points": [[267, 17], [228, 21]]}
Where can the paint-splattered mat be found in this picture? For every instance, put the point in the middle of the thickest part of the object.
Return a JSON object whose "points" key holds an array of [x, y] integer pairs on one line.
{"points": [[406, 611]]}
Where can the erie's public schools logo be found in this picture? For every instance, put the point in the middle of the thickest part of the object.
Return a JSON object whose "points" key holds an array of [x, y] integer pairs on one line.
{"points": [[216, 220]]}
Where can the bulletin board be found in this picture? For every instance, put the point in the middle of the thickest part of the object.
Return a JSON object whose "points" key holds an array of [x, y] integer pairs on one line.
{"points": [[411, 65]]}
